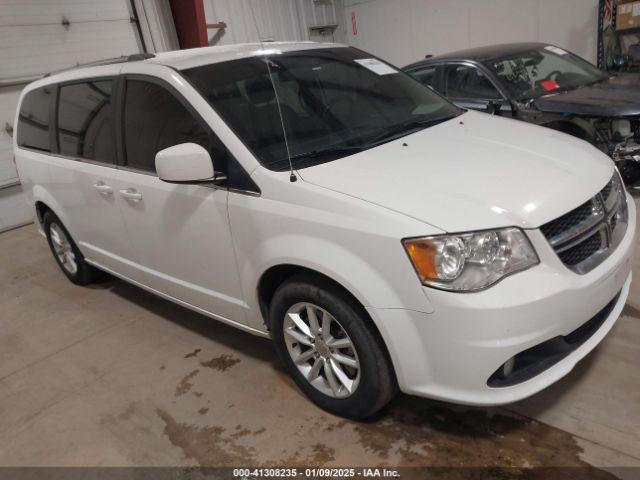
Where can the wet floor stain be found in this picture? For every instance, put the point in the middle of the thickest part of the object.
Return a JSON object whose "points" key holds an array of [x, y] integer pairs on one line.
{"points": [[193, 354], [240, 432], [321, 454], [213, 445], [415, 433], [185, 384], [208, 446], [631, 311], [221, 363], [410, 433]]}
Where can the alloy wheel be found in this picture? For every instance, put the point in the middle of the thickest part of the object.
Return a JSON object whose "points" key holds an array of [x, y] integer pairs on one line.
{"points": [[63, 249], [321, 350]]}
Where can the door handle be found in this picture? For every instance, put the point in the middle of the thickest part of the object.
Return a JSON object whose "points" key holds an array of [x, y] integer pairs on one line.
{"points": [[103, 188], [131, 194]]}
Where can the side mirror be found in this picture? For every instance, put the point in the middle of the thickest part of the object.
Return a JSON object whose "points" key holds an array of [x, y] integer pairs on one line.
{"points": [[185, 163]]}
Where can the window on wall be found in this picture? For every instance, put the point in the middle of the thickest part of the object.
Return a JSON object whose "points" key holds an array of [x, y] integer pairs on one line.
{"points": [[85, 121], [154, 119], [33, 120], [465, 81]]}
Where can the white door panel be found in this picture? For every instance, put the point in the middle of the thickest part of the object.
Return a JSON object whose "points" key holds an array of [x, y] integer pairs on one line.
{"points": [[183, 243], [98, 227]]}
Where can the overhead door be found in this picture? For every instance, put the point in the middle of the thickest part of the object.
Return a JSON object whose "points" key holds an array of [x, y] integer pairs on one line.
{"points": [[40, 36]]}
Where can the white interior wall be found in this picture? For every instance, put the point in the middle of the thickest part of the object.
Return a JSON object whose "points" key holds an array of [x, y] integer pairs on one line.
{"points": [[404, 31], [275, 20]]}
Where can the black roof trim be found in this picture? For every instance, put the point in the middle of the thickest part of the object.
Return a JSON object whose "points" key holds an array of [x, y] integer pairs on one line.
{"points": [[481, 54]]}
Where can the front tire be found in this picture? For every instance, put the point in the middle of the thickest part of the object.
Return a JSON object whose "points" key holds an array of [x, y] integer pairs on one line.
{"points": [[66, 252], [329, 347]]}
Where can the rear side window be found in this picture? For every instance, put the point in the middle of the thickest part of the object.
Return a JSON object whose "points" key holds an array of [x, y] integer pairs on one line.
{"points": [[33, 120], [85, 127], [465, 81], [426, 75], [154, 119]]}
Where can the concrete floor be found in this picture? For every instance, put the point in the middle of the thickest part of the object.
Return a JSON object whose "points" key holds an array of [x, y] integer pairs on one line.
{"points": [[111, 375]]}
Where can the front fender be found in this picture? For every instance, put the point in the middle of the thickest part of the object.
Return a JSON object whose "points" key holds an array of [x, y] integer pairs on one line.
{"points": [[366, 281]]}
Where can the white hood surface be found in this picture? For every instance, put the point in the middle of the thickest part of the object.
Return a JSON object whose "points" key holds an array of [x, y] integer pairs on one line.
{"points": [[473, 172]]}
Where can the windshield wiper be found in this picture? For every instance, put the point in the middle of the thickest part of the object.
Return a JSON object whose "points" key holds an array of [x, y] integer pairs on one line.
{"points": [[321, 153], [403, 129], [391, 133]]}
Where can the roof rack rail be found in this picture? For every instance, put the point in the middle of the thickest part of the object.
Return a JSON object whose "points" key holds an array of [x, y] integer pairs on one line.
{"points": [[136, 57]]}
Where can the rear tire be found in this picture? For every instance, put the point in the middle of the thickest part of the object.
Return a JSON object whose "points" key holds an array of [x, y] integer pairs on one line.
{"points": [[329, 347], [66, 252]]}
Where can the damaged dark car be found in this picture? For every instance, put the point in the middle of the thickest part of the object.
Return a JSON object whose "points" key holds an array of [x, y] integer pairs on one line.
{"points": [[545, 85]]}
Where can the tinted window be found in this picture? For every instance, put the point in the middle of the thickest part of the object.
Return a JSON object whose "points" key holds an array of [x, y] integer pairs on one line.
{"points": [[154, 119], [426, 75], [333, 101], [463, 81], [33, 121], [85, 121]]}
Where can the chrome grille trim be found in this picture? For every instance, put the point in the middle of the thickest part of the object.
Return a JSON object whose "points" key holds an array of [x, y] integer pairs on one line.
{"points": [[596, 214], [586, 235]]}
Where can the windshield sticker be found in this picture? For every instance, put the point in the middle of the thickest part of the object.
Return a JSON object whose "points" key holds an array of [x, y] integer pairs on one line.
{"points": [[556, 50], [550, 85], [376, 66]]}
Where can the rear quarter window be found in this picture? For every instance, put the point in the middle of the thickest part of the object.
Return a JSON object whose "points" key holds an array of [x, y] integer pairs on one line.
{"points": [[33, 119]]}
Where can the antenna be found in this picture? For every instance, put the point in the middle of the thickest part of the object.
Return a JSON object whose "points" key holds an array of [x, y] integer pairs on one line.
{"points": [[292, 175]]}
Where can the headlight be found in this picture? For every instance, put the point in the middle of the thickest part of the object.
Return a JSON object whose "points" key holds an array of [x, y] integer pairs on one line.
{"points": [[470, 261]]}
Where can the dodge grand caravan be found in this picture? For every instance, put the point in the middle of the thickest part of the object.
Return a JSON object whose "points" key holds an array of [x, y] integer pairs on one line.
{"points": [[383, 238]]}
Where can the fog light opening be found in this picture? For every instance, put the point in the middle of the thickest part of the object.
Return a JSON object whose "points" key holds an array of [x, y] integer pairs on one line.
{"points": [[507, 368]]}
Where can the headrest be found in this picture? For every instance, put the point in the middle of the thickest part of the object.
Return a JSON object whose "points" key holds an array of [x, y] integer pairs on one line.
{"points": [[260, 90]]}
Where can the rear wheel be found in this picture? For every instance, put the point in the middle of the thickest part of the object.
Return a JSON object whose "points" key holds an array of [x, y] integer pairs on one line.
{"points": [[329, 347], [66, 252]]}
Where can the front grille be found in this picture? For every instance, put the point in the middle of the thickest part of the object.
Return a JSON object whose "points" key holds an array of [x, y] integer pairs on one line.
{"points": [[586, 235], [575, 217], [582, 251]]}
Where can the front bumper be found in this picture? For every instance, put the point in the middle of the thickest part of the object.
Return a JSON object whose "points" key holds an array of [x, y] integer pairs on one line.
{"points": [[450, 354]]}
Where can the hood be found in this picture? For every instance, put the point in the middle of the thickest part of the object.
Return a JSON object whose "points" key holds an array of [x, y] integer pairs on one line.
{"points": [[617, 96], [473, 172]]}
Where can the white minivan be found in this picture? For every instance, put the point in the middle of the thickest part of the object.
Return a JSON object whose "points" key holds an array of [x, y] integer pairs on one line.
{"points": [[382, 237]]}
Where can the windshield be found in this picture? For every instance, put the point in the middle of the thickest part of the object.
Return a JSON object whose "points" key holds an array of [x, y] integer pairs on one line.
{"points": [[334, 102], [538, 72]]}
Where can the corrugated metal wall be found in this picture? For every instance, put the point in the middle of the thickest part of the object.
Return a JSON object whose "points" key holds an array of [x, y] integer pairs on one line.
{"points": [[404, 31], [277, 20]]}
